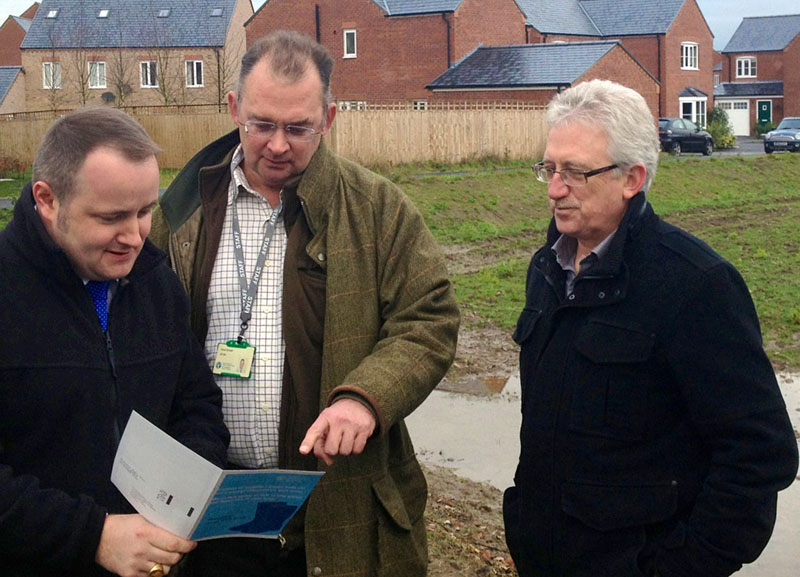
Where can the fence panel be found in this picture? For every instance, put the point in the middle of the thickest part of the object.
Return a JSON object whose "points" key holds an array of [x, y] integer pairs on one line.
{"points": [[377, 136]]}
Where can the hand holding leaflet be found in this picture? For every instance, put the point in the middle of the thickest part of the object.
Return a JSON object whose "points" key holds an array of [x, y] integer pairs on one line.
{"points": [[176, 489]]}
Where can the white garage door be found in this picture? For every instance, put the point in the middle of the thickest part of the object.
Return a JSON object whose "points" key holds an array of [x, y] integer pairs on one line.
{"points": [[738, 114]]}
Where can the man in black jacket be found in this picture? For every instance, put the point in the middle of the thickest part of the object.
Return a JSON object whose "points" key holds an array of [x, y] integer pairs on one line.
{"points": [[654, 436], [74, 362]]}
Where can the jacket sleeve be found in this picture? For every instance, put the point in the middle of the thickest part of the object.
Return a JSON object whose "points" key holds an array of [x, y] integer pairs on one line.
{"points": [[196, 415], [734, 402], [46, 527], [419, 315]]}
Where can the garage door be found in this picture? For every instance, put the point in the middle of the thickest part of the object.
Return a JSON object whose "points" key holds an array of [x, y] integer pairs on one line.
{"points": [[739, 115]]}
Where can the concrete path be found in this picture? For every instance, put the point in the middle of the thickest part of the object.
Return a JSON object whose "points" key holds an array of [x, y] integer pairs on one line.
{"points": [[478, 438]]}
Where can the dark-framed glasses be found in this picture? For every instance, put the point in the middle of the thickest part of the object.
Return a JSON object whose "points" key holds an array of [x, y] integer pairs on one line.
{"points": [[570, 177], [264, 129]]}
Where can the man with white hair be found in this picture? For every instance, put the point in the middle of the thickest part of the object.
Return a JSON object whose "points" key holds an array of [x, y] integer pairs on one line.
{"points": [[654, 436]]}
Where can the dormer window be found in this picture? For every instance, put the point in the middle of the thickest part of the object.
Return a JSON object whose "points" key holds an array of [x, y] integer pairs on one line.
{"points": [[52, 13], [216, 12], [163, 13], [103, 13]]}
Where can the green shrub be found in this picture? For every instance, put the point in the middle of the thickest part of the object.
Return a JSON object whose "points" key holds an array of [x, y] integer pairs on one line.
{"points": [[720, 129], [762, 129]]}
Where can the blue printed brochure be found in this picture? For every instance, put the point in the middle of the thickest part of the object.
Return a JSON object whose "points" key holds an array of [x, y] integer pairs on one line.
{"points": [[178, 490]]}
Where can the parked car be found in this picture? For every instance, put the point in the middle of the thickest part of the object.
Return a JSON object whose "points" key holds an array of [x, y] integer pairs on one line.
{"points": [[785, 137], [680, 135]]}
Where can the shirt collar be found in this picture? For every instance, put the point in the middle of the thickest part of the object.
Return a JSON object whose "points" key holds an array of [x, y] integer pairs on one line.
{"points": [[566, 247]]}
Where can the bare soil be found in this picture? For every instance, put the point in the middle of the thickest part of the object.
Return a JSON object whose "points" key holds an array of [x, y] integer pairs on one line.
{"points": [[466, 536]]}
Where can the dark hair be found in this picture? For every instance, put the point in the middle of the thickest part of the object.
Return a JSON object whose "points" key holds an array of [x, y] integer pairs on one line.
{"points": [[71, 138], [289, 53]]}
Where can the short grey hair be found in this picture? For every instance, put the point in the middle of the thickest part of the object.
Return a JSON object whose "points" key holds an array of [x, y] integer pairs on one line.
{"points": [[288, 54], [622, 113], [71, 138]]}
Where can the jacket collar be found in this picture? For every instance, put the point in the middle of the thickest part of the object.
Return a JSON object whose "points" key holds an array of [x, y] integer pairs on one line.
{"points": [[635, 216], [181, 199]]}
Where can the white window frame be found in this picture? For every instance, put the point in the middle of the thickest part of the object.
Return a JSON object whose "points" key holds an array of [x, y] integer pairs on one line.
{"points": [[746, 67], [52, 13], [148, 70], [690, 56], [350, 32], [97, 74], [103, 13], [192, 66], [51, 75], [699, 110]]}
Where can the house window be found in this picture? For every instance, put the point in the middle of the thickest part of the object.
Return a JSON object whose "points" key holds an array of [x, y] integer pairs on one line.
{"points": [[51, 72], [746, 67], [420, 105], [216, 12], [97, 74], [350, 44], [689, 56], [149, 73], [52, 14], [194, 73], [163, 13], [103, 13], [716, 79]]}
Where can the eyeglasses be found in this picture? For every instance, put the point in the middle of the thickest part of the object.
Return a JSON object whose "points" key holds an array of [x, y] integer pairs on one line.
{"points": [[264, 129], [545, 173]]}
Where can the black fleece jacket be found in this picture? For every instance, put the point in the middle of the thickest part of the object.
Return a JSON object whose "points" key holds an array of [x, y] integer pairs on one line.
{"points": [[64, 396]]}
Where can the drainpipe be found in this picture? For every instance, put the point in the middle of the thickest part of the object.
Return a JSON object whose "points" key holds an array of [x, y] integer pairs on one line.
{"points": [[449, 51], [316, 21], [659, 40]]}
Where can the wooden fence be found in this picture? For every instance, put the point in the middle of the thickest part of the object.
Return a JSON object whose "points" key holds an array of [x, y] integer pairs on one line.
{"points": [[381, 135]]}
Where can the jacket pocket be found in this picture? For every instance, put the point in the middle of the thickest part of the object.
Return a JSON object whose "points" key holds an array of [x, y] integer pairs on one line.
{"points": [[611, 391], [607, 525], [612, 507], [402, 541]]}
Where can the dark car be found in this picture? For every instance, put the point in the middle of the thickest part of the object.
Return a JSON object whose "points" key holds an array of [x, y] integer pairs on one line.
{"points": [[785, 137], [680, 135]]}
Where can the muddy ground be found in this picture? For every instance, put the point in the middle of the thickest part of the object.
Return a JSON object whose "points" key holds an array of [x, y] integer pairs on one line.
{"points": [[465, 518]]}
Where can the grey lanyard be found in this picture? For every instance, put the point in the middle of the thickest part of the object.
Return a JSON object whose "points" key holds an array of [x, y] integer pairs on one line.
{"points": [[250, 291]]}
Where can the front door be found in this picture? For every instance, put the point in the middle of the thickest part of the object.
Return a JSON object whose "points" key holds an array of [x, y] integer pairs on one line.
{"points": [[764, 111]]}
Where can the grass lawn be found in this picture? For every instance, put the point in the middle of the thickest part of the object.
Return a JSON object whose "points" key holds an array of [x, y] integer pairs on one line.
{"points": [[491, 216]]}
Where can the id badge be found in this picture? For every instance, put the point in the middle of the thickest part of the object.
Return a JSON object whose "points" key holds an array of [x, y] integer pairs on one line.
{"points": [[234, 359]]}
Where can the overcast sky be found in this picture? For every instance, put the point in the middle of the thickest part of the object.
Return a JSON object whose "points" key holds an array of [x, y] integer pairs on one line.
{"points": [[723, 16]]}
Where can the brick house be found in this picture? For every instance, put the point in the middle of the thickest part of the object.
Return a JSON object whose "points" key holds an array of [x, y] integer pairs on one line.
{"points": [[132, 53], [760, 81], [392, 49], [536, 72], [12, 33]]}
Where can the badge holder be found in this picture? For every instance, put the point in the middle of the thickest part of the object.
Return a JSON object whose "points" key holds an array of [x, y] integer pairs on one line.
{"points": [[234, 359]]}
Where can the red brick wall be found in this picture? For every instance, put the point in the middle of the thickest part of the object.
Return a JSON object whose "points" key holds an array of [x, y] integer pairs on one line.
{"points": [[11, 36], [618, 66], [646, 50], [494, 23], [31, 11], [791, 78], [689, 26], [281, 14], [396, 57], [769, 66]]}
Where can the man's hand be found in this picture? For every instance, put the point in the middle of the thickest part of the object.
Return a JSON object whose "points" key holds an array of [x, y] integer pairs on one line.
{"points": [[341, 429], [130, 546]]}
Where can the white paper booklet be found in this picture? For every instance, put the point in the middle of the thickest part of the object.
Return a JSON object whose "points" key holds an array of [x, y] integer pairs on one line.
{"points": [[178, 490]]}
